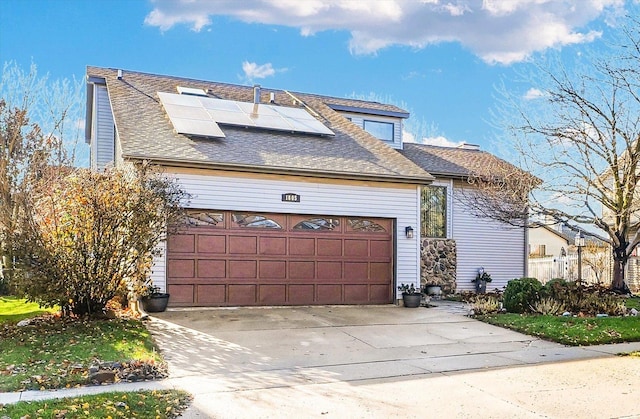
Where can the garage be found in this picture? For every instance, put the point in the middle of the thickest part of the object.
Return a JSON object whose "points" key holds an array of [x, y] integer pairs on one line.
{"points": [[235, 258]]}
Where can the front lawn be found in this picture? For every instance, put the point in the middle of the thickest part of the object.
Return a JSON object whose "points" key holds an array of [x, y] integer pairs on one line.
{"points": [[13, 309], [574, 331], [56, 353], [143, 404]]}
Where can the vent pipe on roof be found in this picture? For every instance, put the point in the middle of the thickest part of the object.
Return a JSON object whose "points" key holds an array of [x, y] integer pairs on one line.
{"points": [[119, 74], [256, 93], [467, 146], [272, 97]]}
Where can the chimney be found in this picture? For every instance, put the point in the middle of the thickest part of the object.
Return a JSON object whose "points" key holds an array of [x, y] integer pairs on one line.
{"points": [[256, 93]]}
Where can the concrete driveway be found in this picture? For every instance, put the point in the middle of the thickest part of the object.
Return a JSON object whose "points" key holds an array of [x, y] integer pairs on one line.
{"points": [[384, 361]]}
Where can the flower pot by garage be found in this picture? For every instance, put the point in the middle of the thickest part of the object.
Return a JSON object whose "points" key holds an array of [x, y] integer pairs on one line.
{"points": [[411, 300], [155, 303], [433, 290]]}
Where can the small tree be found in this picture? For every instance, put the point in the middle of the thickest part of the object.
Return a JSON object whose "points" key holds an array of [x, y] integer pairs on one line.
{"points": [[94, 235]]}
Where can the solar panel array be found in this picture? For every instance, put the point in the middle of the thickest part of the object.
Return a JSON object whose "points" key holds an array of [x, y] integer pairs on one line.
{"points": [[200, 115]]}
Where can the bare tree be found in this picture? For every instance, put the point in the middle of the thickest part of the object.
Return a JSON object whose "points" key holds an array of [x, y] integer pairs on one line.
{"points": [[581, 136], [39, 128]]}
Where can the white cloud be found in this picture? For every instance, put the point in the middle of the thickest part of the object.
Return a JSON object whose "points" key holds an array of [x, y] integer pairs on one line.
{"points": [[498, 31], [441, 141], [408, 137], [533, 93], [254, 71]]}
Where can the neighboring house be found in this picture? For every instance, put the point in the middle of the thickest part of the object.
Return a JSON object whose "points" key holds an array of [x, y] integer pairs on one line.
{"points": [[545, 240], [296, 198]]}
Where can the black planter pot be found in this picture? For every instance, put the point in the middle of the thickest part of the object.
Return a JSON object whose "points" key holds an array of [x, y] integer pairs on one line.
{"points": [[481, 287], [155, 303], [411, 300]]}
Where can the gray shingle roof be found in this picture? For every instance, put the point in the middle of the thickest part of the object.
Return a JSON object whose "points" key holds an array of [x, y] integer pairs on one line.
{"points": [[452, 162], [146, 132]]}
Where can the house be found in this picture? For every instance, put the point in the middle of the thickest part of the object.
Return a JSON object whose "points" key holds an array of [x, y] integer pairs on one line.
{"points": [[545, 240], [296, 198]]}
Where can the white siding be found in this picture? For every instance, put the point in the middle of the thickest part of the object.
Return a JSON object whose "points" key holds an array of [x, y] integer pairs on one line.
{"points": [[102, 136], [265, 195], [482, 242]]}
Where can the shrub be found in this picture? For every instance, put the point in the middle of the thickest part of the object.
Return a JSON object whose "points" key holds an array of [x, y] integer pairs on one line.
{"points": [[548, 306], [585, 299], [485, 304], [521, 294], [94, 236]]}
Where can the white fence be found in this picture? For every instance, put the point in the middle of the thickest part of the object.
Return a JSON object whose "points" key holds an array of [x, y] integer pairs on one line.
{"points": [[597, 268]]}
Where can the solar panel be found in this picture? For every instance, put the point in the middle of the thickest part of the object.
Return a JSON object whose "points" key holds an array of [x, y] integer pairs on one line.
{"points": [[201, 110]]}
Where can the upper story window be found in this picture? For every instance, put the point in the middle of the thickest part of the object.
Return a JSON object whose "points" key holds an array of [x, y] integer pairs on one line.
{"points": [[433, 210], [381, 130]]}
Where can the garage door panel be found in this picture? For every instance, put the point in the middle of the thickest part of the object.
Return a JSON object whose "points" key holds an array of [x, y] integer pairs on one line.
{"points": [[380, 293], [380, 271], [242, 294], [181, 243], [181, 294], [243, 245], [301, 260], [212, 243], [302, 270], [381, 249], [273, 269], [243, 269], [272, 294], [356, 271], [329, 247], [273, 246], [359, 248], [211, 294], [329, 270], [302, 246], [212, 268], [181, 268], [329, 294], [356, 293], [302, 294]]}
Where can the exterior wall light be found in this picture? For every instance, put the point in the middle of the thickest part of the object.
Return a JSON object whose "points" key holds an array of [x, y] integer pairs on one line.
{"points": [[408, 231]]}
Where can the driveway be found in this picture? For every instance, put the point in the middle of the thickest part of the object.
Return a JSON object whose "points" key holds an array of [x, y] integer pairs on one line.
{"points": [[384, 361]]}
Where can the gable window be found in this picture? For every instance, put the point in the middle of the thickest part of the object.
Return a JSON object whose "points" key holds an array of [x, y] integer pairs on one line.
{"points": [[433, 211], [381, 130]]}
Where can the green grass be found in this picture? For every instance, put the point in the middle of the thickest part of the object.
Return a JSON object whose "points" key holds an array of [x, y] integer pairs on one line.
{"points": [[143, 404], [57, 353], [574, 331], [13, 309], [633, 302]]}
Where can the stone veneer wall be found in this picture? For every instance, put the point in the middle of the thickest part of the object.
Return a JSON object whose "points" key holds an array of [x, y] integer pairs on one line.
{"points": [[438, 264]]}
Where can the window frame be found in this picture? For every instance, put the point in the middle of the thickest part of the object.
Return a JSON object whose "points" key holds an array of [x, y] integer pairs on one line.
{"points": [[386, 123], [444, 206]]}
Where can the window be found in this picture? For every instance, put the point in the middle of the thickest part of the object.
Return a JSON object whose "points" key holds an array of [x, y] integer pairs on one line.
{"points": [[433, 209], [364, 225], [381, 130], [254, 221], [319, 224]]}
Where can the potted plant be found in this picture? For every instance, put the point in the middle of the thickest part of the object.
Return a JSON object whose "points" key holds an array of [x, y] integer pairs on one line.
{"points": [[154, 301], [481, 280], [433, 290], [411, 296]]}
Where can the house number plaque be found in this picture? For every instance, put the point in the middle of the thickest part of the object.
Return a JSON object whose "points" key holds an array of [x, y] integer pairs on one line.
{"points": [[290, 197]]}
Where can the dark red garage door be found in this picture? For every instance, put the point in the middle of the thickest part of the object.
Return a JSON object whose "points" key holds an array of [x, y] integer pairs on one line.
{"points": [[237, 258]]}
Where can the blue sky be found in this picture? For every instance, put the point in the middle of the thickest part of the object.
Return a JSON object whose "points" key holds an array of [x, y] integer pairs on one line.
{"points": [[439, 59]]}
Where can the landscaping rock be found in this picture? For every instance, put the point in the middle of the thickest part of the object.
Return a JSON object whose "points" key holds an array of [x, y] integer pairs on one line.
{"points": [[23, 323], [633, 312], [566, 314], [102, 376]]}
